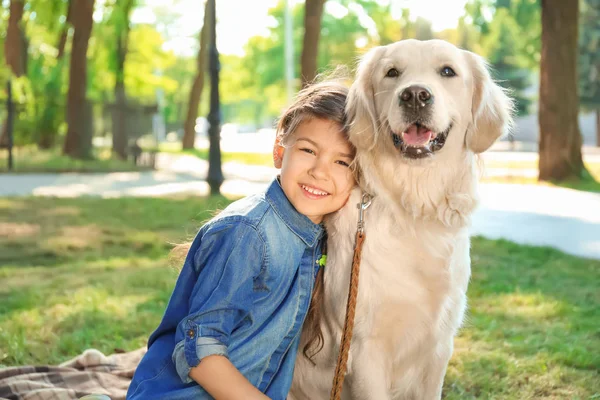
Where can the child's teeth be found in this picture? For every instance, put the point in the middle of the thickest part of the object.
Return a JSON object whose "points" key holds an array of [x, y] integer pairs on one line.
{"points": [[314, 191]]}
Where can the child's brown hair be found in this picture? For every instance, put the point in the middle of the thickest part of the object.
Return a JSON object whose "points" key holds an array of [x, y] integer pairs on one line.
{"points": [[324, 100]]}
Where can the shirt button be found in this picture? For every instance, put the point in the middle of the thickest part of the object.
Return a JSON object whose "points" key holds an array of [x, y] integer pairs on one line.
{"points": [[191, 333]]}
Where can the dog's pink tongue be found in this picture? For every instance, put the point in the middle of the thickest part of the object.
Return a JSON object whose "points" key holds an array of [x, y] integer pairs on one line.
{"points": [[417, 136]]}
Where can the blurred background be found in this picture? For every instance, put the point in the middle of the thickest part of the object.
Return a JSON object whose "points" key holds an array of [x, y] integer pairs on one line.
{"points": [[116, 142], [141, 74]]}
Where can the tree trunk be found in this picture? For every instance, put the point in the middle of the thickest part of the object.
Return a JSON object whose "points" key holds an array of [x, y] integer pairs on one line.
{"points": [[313, 10], [15, 52], [195, 94], [560, 138], [15, 45], [119, 111], [64, 34], [76, 142], [598, 127], [48, 128]]}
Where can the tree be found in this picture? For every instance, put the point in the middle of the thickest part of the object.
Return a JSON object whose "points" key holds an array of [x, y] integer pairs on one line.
{"points": [[78, 140], [64, 33], [526, 14], [589, 60], [15, 50], [476, 11], [121, 18], [560, 139], [388, 28], [196, 91], [15, 47], [313, 11], [337, 44], [502, 48], [423, 30], [49, 120], [261, 75]]}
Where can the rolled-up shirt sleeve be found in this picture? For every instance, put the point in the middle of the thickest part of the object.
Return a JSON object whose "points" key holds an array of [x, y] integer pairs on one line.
{"points": [[229, 258]]}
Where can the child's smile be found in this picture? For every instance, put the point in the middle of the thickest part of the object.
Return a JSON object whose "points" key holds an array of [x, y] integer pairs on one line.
{"points": [[315, 173]]}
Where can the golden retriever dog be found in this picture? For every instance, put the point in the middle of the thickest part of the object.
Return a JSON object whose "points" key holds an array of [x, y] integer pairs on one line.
{"points": [[419, 113]]}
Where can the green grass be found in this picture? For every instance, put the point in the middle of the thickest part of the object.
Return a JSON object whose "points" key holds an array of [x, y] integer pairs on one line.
{"points": [[87, 272], [533, 326], [241, 157], [32, 160], [590, 181]]}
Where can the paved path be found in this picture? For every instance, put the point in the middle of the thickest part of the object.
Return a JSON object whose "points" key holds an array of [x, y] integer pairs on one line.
{"points": [[566, 219]]}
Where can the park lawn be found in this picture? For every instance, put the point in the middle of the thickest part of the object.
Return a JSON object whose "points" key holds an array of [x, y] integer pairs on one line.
{"points": [[263, 159], [89, 272], [589, 183], [29, 159]]}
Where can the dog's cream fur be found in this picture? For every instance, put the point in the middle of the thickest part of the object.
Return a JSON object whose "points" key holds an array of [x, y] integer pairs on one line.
{"points": [[415, 263]]}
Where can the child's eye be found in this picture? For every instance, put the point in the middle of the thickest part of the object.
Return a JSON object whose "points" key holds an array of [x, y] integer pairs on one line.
{"points": [[307, 150], [344, 163]]}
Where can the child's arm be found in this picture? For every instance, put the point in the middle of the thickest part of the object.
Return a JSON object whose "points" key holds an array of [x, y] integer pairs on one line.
{"points": [[221, 379], [228, 259]]}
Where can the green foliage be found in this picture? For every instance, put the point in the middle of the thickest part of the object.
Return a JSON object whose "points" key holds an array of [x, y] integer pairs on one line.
{"points": [[181, 73], [507, 33], [589, 55], [145, 60], [477, 12], [339, 35], [41, 94], [389, 30], [261, 80], [526, 28], [38, 94], [29, 159], [253, 89], [502, 46]]}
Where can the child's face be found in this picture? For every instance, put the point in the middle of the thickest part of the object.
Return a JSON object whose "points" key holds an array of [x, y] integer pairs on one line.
{"points": [[315, 175]]}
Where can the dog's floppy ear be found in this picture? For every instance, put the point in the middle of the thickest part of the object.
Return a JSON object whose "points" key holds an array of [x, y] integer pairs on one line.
{"points": [[360, 107], [492, 109]]}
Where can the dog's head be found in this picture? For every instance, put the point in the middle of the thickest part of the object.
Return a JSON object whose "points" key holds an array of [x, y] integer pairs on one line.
{"points": [[425, 100]]}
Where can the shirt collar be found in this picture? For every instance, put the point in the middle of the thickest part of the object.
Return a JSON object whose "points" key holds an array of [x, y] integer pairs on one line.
{"points": [[298, 223]]}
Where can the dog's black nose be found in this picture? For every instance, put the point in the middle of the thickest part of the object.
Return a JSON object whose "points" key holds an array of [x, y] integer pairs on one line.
{"points": [[416, 96]]}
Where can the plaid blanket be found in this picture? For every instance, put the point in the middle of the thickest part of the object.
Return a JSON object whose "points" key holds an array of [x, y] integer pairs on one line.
{"points": [[89, 373]]}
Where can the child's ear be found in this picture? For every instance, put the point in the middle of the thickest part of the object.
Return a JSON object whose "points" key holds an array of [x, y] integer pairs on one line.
{"points": [[277, 153]]}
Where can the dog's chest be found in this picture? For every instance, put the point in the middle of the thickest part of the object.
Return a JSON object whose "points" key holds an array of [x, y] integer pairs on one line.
{"points": [[403, 284], [405, 281]]}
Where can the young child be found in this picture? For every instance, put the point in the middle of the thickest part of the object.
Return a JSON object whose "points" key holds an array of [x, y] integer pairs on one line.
{"points": [[232, 327]]}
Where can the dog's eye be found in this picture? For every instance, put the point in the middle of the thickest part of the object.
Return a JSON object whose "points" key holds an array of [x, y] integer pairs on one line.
{"points": [[447, 71], [392, 73]]}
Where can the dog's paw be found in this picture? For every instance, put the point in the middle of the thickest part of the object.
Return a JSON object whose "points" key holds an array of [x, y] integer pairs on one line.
{"points": [[456, 213]]}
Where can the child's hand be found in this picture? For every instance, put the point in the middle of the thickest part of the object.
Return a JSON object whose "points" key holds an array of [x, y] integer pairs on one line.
{"points": [[222, 380]]}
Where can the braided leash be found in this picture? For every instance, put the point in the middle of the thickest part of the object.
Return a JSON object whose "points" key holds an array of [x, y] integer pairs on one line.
{"points": [[342, 361]]}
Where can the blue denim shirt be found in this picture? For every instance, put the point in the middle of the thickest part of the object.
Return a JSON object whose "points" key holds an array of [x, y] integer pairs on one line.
{"points": [[243, 292]]}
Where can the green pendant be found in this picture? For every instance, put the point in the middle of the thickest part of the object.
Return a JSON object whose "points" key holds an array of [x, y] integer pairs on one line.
{"points": [[321, 261]]}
